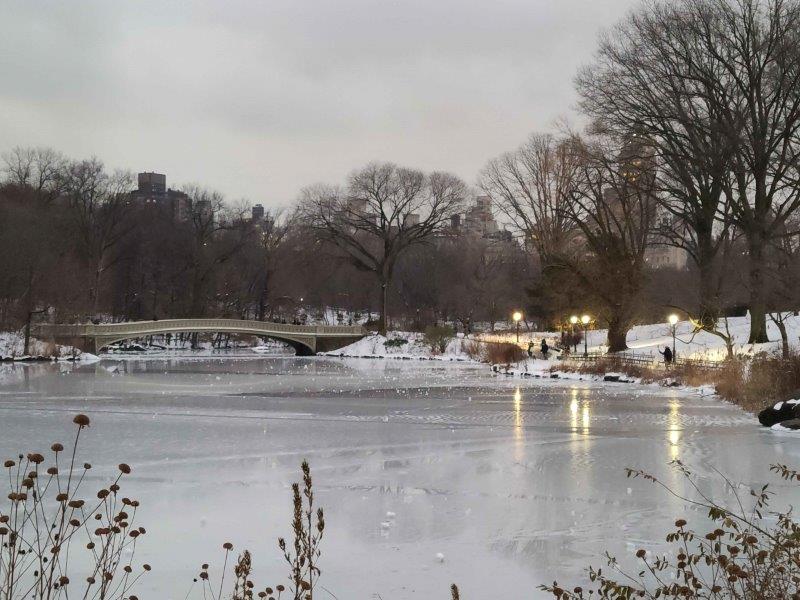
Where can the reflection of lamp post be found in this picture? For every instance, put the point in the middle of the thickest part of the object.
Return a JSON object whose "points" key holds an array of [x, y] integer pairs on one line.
{"points": [[586, 319], [673, 321], [517, 316], [573, 320]]}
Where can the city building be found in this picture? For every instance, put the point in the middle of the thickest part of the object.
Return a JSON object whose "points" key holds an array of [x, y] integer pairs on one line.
{"points": [[411, 219], [258, 213], [662, 253], [152, 192], [479, 219]]}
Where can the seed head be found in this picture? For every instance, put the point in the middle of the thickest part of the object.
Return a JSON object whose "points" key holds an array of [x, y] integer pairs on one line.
{"points": [[56, 447], [125, 468]]}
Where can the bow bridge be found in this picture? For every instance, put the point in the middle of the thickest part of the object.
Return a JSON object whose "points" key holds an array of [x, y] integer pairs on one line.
{"points": [[307, 340]]}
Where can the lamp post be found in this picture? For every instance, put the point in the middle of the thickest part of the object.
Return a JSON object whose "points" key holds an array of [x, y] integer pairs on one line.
{"points": [[586, 319], [673, 321], [517, 316], [573, 320]]}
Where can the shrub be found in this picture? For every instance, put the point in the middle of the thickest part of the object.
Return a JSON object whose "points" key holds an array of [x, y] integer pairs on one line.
{"points": [[502, 353], [747, 553], [437, 338], [762, 380], [473, 349], [395, 343]]}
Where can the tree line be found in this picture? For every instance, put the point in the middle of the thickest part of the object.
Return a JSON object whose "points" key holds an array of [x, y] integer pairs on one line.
{"points": [[693, 110], [75, 245]]}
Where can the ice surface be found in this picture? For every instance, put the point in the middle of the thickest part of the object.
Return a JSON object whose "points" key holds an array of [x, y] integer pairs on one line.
{"points": [[512, 482]]}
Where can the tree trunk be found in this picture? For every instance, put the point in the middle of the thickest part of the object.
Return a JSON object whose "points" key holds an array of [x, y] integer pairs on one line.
{"points": [[784, 338], [383, 321], [758, 300], [709, 300], [781, 325], [618, 334], [95, 294]]}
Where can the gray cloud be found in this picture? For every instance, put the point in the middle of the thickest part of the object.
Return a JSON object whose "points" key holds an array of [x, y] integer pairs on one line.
{"points": [[258, 99]]}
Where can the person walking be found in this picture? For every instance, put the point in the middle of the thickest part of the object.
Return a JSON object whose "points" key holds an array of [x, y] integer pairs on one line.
{"points": [[545, 349], [667, 354], [530, 349]]}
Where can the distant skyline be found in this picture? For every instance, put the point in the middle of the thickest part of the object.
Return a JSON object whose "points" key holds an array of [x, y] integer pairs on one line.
{"points": [[258, 100]]}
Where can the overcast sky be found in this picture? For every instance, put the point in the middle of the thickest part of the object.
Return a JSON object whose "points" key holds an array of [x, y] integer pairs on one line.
{"points": [[258, 99]]}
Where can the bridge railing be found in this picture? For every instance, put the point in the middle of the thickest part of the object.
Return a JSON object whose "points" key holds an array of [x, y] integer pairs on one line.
{"points": [[133, 328]]}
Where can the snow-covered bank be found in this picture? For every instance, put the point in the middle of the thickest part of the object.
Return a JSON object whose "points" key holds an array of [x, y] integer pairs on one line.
{"points": [[549, 369], [404, 345], [648, 339], [12, 347], [413, 346]]}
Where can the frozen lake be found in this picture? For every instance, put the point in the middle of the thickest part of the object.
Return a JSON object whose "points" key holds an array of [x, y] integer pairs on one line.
{"points": [[515, 482]]}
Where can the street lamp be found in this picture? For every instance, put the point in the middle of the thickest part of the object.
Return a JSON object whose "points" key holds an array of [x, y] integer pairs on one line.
{"points": [[586, 319], [573, 320], [673, 321], [517, 316]]}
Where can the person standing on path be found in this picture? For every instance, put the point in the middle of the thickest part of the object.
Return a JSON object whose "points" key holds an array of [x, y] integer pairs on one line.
{"points": [[667, 354]]}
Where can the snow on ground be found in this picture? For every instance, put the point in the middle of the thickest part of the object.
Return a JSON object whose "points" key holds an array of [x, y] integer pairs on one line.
{"points": [[12, 346], [375, 346], [648, 339]]}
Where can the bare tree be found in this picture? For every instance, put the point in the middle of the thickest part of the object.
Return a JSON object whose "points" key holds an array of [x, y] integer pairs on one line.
{"points": [[99, 207], [530, 186], [271, 233], [41, 170], [611, 202], [751, 63], [383, 211], [648, 79], [217, 234]]}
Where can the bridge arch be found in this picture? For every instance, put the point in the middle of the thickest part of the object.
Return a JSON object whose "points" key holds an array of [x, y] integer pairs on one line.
{"points": [[302, 348], [306, 339]]}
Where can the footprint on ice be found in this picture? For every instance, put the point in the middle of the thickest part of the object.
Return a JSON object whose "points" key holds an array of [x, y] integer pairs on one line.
{"points": [[385, 524], [390, 514], [440, 557]]}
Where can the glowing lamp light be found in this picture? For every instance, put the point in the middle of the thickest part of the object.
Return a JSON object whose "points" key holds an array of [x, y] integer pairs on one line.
{"points": [[585, 319], [673, 319], [517, 316], [573, 319]]}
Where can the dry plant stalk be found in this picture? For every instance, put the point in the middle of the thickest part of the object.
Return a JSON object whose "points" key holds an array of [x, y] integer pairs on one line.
{"points": [[301, 554], [747, 553], [46, 522]]}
